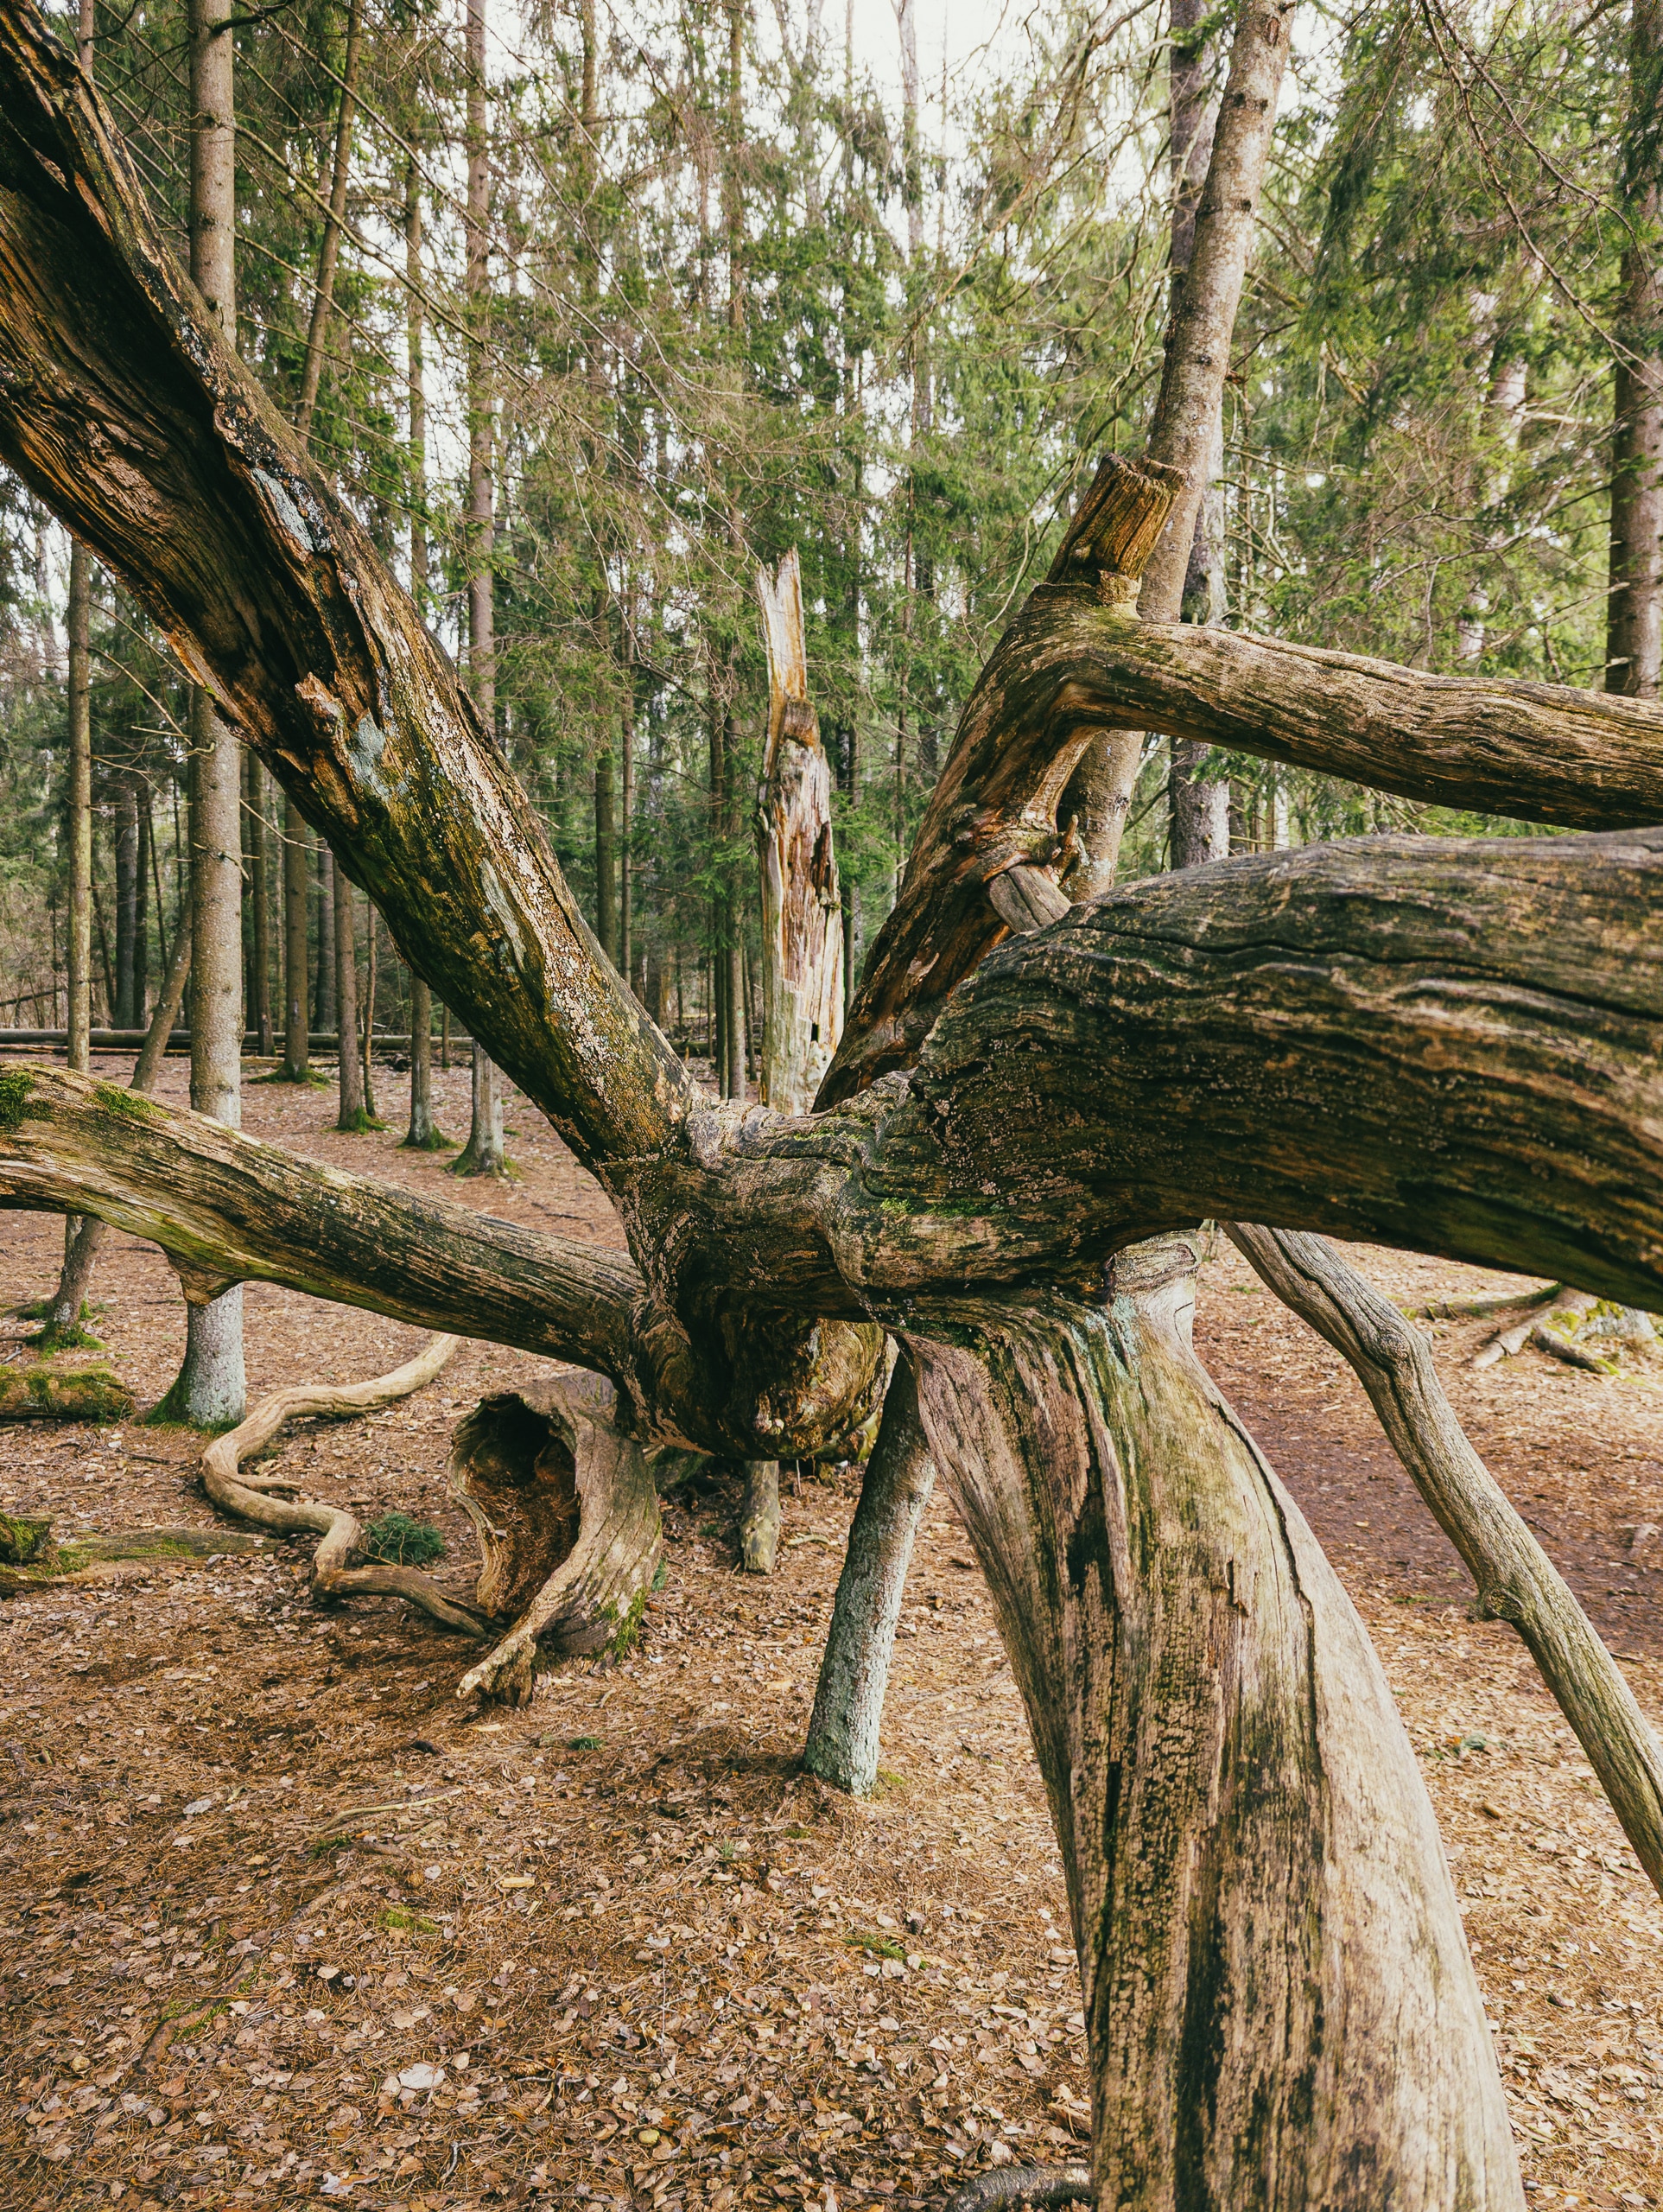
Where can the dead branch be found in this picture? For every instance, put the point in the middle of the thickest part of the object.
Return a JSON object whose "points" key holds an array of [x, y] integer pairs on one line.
{"points": [[332, 1574], [1508, 1343], [1036, 2185], [1517, 1582]]}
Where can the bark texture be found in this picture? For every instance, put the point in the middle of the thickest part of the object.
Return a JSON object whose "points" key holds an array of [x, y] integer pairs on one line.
{"points": [[297, 885], [423, 1134], [1516, 1580], [353, 1115], [801, 901], [1280, 2007], [1635, 613], [568, 1519], [848, 1702]]}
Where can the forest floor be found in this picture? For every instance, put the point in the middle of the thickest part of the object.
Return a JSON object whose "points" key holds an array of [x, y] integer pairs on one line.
{"points": [[615, 1949]]}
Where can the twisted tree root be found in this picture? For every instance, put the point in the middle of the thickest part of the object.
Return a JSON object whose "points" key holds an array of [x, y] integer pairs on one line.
{"points": [[333, 1574], [1025, 2185]]}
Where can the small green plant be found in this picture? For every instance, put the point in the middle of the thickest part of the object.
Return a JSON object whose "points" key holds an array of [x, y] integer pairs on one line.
{"points": [[402, 1541], [660, 1575], [877, 1946], [627, 1634], [584, 1744], [415, 1923]]}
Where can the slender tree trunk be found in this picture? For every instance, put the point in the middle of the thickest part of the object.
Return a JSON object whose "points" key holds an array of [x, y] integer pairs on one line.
{"points": [[142, 898], [416, 387], [323, 298], [605, 859], [259, 848], [626, 809], [297, 997], [124, 1014], [209, 1391], [325, 1013], [1270, 1948], [759, 1516], [848, 1704], [1635, 618], [483, 1153], [352, 1117], [1185, 432], [423, 1135], [78, 950], [370, 968], [1199, 803]]}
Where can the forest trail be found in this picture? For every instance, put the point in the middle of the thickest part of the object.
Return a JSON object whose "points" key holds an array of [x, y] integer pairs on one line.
{"points": [[631, 1956]]}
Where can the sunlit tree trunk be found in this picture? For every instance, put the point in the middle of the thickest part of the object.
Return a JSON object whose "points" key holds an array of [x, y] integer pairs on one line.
{"points": [[1634, 619]]}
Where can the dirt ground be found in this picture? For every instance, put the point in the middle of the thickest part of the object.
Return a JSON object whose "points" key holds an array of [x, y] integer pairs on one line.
{"points": [[615, 1949]]}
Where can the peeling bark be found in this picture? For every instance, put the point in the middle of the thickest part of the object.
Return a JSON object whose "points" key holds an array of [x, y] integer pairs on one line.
{"points": [[801, 902]]}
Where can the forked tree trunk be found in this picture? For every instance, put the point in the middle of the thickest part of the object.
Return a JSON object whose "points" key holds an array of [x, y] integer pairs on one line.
{"points": [[1279, 2004], [848, 1703], [801, 904]]}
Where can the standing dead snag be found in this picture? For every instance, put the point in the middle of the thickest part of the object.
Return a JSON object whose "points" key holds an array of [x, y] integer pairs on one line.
{"points": [[801, 905]]}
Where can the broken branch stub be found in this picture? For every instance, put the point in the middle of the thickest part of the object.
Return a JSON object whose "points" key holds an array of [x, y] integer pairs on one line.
{"points": [[995, 809], [801, 903], [567, 1518]]}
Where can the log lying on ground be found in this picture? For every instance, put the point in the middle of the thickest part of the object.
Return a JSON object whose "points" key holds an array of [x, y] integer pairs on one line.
{"points": [[71, 1390], [567, 1517], [334, 1574], [1516, 1580], [848, 1700]]}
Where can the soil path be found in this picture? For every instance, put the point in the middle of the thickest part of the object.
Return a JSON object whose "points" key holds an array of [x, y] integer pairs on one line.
{"points": [[616, 1949]]}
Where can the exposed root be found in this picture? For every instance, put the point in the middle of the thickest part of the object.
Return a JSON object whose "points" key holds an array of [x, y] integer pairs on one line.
{"points": [[1035, 2186], [334, 1574], [1508, 1343], [568, 1516], [1483, 1309]]}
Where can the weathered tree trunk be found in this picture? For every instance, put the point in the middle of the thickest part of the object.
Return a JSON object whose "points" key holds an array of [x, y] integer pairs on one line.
{"points": [[1280, 2006], [568, 1520], [209, 1391], [351, 1116], [297, 997], [801, 903], [423, 1134], [1634, 654], [848, 1702]]}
